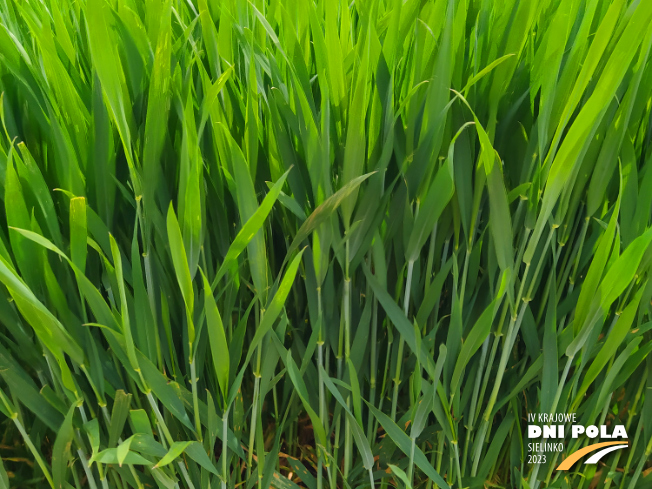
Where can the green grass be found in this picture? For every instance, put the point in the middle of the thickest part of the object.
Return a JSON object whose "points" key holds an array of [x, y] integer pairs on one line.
{"points": [[324, 244]]}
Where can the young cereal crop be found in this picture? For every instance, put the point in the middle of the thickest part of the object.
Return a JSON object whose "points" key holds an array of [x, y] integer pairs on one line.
{"points": [[323, 243]]}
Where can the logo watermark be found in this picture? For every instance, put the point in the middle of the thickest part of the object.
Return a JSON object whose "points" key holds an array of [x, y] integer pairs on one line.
{"points": [[548, 432]]}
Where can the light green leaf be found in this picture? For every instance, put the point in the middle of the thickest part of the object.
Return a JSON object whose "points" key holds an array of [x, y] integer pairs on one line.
{"points": [[217, 338]]}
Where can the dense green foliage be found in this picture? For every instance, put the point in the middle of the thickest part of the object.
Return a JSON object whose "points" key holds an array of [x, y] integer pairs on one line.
{"points": [[322, 243]]}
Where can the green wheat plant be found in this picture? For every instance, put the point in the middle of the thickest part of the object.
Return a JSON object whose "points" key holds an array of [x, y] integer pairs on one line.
{"points": [[322, 243]]}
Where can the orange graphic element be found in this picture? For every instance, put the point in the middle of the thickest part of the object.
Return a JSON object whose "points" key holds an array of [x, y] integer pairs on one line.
{"points": [[575, 456]]}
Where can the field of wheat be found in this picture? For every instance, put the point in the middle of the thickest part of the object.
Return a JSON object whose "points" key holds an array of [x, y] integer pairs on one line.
{"points": [[323, 243]]}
